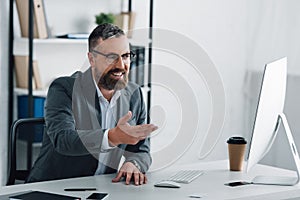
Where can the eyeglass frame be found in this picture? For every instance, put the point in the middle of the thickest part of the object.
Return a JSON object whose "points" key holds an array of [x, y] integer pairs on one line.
{"points": [[131, 55]]}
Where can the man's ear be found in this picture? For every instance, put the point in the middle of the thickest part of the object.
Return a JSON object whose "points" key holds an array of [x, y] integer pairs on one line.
{"points": [[91, 59]]}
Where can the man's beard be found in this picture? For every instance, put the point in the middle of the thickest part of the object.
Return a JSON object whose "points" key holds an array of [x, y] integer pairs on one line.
{"points": [[107, 82]]}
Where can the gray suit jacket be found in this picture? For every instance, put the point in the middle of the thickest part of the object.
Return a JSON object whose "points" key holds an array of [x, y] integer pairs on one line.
{"points": [[73, 135]]}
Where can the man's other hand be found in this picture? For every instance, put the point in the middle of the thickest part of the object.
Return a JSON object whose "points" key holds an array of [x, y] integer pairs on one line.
{"points": [[130, 171]]}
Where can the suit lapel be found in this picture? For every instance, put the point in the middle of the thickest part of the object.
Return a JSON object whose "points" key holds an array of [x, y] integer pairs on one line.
{"points": [[84, 101], [98, 109]]}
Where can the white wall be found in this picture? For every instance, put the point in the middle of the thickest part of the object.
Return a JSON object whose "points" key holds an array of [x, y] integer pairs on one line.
{"points": [[238, 36], [3, 90], [219, 28]]}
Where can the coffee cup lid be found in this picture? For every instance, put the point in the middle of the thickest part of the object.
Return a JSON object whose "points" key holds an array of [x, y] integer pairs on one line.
{"points": [[236, 140]]}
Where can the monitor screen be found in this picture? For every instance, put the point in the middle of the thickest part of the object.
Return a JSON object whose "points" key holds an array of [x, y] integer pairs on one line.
{"points": [[270, 105]]}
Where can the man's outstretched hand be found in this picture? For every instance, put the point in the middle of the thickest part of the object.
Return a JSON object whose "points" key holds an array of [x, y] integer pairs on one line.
{"points": [[124, 133]]}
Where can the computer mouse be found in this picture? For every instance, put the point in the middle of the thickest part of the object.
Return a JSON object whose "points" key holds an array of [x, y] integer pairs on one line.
{"points": [[167, 184]]}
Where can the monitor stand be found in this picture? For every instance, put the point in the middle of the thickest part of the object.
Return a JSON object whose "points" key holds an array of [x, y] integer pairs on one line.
{"points": [[278, 180]]}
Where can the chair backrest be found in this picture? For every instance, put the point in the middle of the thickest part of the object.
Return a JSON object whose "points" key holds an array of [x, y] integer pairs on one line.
{"points": [[29, 130]]}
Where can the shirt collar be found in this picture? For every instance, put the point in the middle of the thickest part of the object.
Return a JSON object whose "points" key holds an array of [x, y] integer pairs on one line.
{"points": [[114, 98]]}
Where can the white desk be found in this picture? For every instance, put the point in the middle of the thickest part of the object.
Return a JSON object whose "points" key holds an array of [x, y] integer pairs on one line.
{"points": [[210, 184]]}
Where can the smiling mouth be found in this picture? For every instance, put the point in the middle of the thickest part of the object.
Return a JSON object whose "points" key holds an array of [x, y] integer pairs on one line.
{"points": [[118, 75]]}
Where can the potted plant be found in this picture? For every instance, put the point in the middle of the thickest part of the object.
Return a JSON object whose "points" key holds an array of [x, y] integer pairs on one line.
{"points": [[105, 18]]}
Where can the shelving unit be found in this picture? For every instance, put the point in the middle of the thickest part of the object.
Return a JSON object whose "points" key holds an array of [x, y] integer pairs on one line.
{"points": [[20, 45], [22, 91]]}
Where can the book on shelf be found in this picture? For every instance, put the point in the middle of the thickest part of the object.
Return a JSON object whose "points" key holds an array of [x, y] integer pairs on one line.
{"points": [[21, 69], [37, 76], [40, 29], [38, 195], [126, 21]]}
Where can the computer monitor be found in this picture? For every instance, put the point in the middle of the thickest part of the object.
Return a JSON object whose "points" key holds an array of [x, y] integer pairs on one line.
{"points": [[269, 115]]}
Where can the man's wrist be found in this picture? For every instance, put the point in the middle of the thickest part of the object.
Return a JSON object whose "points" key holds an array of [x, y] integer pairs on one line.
{"points": [[111, 137], [136, 164]]}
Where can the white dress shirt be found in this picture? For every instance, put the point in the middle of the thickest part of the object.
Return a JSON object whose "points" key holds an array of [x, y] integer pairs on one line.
{"points": [[108, 121]]}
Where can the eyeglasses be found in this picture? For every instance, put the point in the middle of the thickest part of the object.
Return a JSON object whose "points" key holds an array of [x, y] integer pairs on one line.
{"points": [[113, 58]]}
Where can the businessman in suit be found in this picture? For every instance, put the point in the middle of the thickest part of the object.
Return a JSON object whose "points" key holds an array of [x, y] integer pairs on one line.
{"points": [[93, 118]]}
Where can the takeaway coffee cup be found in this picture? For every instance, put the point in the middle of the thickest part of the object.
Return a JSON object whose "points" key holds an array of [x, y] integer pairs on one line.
{"points": [[236, 150]]}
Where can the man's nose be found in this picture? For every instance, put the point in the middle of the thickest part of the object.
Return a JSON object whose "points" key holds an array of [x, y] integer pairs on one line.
{"points": [[120, 63]]}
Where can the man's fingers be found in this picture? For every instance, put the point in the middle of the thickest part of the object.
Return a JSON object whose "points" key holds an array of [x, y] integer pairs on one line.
{"points": [[118, 177], [141, 178], [143, 130], [143, 127], [145, 179], [136, 178], [146, 128], [125, 118], [131, 173], [128, 177]]}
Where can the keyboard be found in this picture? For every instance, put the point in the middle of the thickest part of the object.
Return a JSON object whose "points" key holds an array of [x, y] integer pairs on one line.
{"points": [[185, 176]]}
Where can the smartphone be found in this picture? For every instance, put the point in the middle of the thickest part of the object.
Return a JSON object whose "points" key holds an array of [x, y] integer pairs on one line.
{"points": [[97, 196], [237, 183]]}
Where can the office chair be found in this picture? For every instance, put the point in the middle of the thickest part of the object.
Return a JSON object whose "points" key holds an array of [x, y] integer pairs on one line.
{"points": [[26, 129]]}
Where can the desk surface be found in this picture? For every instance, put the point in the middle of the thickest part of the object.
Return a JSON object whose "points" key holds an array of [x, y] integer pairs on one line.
{"points": [[210, 185]]}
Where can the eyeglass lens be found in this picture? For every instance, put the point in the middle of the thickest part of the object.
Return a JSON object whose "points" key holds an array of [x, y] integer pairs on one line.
{"points": [[112, 58]]}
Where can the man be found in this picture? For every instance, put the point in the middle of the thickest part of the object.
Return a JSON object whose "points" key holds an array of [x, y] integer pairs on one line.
{"points": [[93, 118]]}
